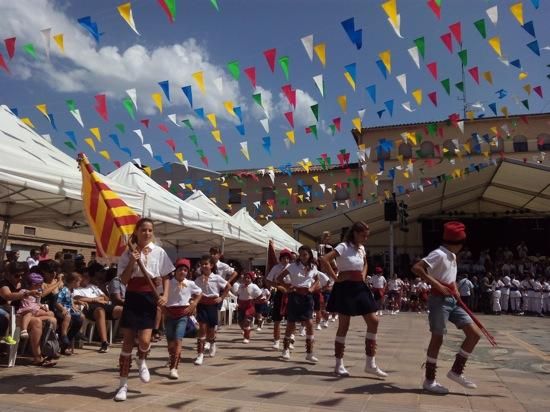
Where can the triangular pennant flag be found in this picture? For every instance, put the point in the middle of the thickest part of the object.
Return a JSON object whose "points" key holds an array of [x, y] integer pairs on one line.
{"points": [[46, 33], [350, 74], [517, 11], [125, 11], [188, 92], [315, 110], [527, 89], [95, 131], [432, 67], [492, 13], [229, 107], [42, 108], [238, 113], [258, 99], [270, 56], [382, 68], [169, 7], [413, 52], [251, 74], [266, 143], [212, 118], [389, 106], [337, 123], [385, 56], [199, 78], [307, 41], [29, 48], [402, 79], [28, 122], [113, 137], [101, 106], [200, 112], [290, 118], [321, 52], [488, 76], [240, 129], [534, 46], [356, 36], [529, 28], [447, 41], [320, 84], [148, 147], [194, 139], [538, 90], [70, 145], [456, 30], [371, 90], [494, 42], [525, 103], [10, 46], [78, 118], [52, 120], [157, 99], [493, 107], [91, 27], [217, 135], [446, 85], [480, 26], [233, 67], [417, 94], [58, 39], [290, 136], [72, 136], [223, 152], [90, 143], [244, 150], [105, 154], [357, 123], [312, 129], [265, 124], [139, 134], [433, 98], [516, 63], [129, 106], [343, 102], [463, 54], [420, 45], [284, 63], [435, 6], [474, 72]]}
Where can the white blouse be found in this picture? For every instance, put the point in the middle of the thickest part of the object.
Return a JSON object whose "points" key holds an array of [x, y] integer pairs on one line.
{"points": [[350, 258], [300, 277], [154, 258]]}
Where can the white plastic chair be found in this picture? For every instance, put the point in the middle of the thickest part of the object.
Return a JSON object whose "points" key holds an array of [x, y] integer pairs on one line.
{"points": [[13, 331], [88, 328]]}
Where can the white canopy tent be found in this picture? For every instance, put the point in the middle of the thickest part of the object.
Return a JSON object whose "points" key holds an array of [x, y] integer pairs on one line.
{"points": [[273, 229]]}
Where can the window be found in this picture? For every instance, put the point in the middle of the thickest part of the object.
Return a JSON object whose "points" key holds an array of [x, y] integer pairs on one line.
{"points": [[305, 192], [341, 193], [405, 150], [543, 141], [450, 146], [235, 196], [29, 230], [497, 145], [520, 144], [427, 149], [267, 194]]}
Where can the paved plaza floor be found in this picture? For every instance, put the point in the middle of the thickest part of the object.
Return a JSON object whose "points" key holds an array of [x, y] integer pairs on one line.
{"points": [[513, 377]]}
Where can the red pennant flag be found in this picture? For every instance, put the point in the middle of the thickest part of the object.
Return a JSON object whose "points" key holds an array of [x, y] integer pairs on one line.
{"points": [[251, 74], [432, 67], [270, 57], [448, 41], [3, 64], [101, 106], [474, 72], [454, 118], [435, 8], [290, 117], [524, 119], [117, 163], [457, 31], [433, 98], [538, 90], [10, 47], [437, 150], [223, 151], [439, 129], [204, 159], [145, 122], [166, 10], [290, 94], [171, 144], [308, 130], [163, 127], [337, 122]]}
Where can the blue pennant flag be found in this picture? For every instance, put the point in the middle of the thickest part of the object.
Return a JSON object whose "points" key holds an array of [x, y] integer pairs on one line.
{"points": [[493, 107], [381, 165], [371, 90], [352, 70], [240, 129], [52, 121], [188, 92], [238, 112], [536, 3], [529, 28], [158, 158], [165, 86], [389, 106], [14, 111], [534, 46], [516, 63], [167, 167], [380, 113], [114, 138], [267, 144], [200, 112], [286, 168], [356, 36], [127, 151], [70, 134], [91, 26], [501, 93], [382, 68]]}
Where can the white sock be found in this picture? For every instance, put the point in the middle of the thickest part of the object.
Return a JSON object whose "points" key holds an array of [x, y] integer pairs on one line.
{"points": [[123, 381], [141, 363], [431, 360], [371, 362], [339, 362], [340, 339], [463, 353]]}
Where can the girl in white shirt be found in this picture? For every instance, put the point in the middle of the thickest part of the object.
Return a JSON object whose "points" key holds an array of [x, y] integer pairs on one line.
{"points": [[247, 293], [351, 296], [182, 301], [303, 278], [279, 296]]}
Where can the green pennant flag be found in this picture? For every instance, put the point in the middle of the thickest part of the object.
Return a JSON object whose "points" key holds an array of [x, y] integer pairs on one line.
{"points": [[446, 85], [96, 167], [480, 26], [129, 106], [525, 103], [322, 163], [233, 67], [194, 139], [315, 109], [171, 4], [187, 122], [313, 129], [463, 54], [258, 99], [120, 127], [71, 105], [70, 145], [332, 129], [284, 63], [200, 152], [215, 4], [29, 48], [421, 45], [432, 129], [419, 138], [460, 86]]}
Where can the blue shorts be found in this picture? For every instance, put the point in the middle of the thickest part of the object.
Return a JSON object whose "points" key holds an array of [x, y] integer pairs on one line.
{"points": [[443, 309], [175, 328]]}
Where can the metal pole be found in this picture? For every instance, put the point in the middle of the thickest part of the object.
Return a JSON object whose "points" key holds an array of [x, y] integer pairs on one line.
{"points": [[391, 250]]}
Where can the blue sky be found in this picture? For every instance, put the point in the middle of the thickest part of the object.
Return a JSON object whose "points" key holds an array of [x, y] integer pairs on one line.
{"points": [[203, 39]]}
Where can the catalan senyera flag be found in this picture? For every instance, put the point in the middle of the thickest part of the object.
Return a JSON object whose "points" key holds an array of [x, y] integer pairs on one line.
{"points": [[112, 221]]}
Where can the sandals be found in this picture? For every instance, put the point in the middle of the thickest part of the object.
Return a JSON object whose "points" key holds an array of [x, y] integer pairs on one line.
{"points": [[45, 363]]}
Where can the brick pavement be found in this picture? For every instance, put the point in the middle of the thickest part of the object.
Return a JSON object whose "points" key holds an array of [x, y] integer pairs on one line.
{"points": [[513, 377]]}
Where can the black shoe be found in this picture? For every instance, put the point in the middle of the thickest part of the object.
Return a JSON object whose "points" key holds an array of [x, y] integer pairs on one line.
{"points": [[104, 348]]}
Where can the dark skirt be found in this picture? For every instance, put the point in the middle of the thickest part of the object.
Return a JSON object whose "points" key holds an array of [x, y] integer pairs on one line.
{"points": [[261, 309], [300, 307], [277, 314], [208, 314], [351, 298], [139, 311]]}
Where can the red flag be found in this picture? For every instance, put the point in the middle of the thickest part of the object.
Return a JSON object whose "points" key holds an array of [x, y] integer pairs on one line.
{"points": [[101, 106], [10, 47], [290, 117], [167, 10], [270, 57], [538, 90], [3, 63], [337, 123], [432, 67], [145, 122], [474, 72], [117, 163], [251, 74], [433, 98], [457, 31], [204, 159], [163, 127], [448, 41], [171, 144], [290, 94], [435, 8]]}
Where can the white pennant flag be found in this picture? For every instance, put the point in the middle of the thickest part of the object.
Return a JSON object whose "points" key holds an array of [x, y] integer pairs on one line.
{"points": [[421, 187], [46, 35], [168, 183], [148, 147], [367, 152], [244, 150], [76, 115], [140, 135], [186, 165], [307, 41], [133, 95], [402, 79], [413, 51], [257, 204], [407, 106], [47, 137], [492, 12], [173, 119], [396, 27], [265, 124], [329, 190], [460, 124], [218, 82], [271, 174], [320, 84], [137, 161], [361, 113], [364, 167]]}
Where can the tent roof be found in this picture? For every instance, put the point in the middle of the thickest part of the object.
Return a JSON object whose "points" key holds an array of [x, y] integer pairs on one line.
{"points": [[512, 184], [273, 229]]}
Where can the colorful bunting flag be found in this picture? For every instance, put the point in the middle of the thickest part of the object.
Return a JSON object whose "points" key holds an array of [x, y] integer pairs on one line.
{"points": [[307, 42], [199, 78], [251, 74], [480, 26], [91, 27], [10, 46], [169, 7], [125, 11], [270, 56], [321, 52], [284, 63], [233, 67]]}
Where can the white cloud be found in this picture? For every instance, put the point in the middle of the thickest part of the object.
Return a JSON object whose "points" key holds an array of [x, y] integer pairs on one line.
{"points": [[107, 69]]}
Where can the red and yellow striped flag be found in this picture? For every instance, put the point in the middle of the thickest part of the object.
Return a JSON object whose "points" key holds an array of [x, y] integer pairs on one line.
{"points": [[112, 221]]}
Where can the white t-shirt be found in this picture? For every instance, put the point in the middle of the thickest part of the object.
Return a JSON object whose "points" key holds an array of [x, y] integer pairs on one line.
{"points": [[90, 291], [442, 265], [378, 281], [180, 296], [156, 261], [324, 280], [243, 292], [350, 257], [212, 285], [276, 271], [465, 287], [224, 270], [32, 262], [395, 284], [300, 277]]}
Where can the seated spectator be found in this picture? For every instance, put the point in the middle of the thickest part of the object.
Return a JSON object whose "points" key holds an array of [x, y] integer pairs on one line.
{"points": [[116, 289], [30, 306], [72, 317], [97, 307], [32, 260], [11, 292]]}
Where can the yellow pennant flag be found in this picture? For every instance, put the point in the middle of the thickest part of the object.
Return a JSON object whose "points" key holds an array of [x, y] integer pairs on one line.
{"points": [[58, 38], [42, 108], [96, 133], [229, 107], [125, 11], [199, 78], [517, 11], [495, 44], [289, 190], [468, 148], [350, 80], [320, 51], [357, 123], [179, 156], [28, 122], [290, 135], [316, 179], [301, 197], [390, 7], [494, 130], [90, 142], [527, 89], [224, 184], [470, 115], [212, 118], [522, 75], [504, 111], [217, 135], [157, 98], [147, 170], [489, 77], [385, 56], [412, 138], [400, 158], [343, 102], [417, 94], [486, 153], [406, 174], [105, 154]]}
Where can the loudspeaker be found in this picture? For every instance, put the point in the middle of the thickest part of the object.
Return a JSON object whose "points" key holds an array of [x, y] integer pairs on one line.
{"points": [[390, 211]]}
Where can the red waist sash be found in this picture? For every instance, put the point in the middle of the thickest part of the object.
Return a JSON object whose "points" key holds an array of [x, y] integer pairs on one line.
{"points": [[139, 285], [353, 275], [176, 312], [206, 300], [247, 307]]}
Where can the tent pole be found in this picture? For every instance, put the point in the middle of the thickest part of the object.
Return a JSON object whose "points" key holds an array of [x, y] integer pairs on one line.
{"points": [[222, 245], [5, 235]]}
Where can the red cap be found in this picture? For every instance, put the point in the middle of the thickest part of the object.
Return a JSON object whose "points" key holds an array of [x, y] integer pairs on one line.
{"points": [[378, 270], [454, 232], [183, 262], [285, 252], [251, 275]]}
